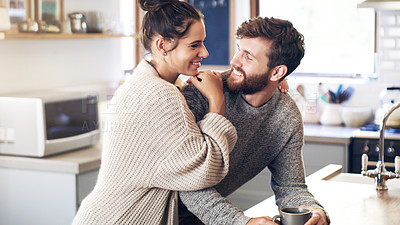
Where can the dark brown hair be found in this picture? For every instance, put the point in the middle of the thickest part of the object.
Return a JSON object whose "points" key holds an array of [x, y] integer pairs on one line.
{"points": [[287, 43], [169, 18]]}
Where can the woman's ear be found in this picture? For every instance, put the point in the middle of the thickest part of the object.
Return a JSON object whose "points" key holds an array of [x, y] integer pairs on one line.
{"points": [[278, 72], [160, 45]]}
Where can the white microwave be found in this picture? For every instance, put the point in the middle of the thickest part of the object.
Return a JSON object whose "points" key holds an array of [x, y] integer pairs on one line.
{"points": [[40, 124]]}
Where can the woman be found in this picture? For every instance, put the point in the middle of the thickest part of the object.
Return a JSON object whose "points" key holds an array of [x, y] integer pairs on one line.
{"points": [[153, 147]]}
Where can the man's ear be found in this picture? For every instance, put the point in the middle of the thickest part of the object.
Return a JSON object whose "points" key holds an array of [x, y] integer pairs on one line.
{"points": [[278, 72]]}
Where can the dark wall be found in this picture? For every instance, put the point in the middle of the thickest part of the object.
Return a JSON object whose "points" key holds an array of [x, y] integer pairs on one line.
{"points": [[216, 16]]}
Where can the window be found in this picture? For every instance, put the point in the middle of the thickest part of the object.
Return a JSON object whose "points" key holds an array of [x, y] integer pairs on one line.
{"points": [[127, 26], [339, 37]]}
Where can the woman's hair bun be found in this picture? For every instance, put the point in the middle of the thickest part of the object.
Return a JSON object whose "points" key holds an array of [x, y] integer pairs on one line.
{"points": [[154, 5]]}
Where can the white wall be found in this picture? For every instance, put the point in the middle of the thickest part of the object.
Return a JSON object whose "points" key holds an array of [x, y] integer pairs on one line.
{"points": [[27, 65], [43, 64]]}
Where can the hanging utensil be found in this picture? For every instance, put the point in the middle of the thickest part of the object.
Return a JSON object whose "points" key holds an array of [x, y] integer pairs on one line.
{"points": [[300, 89]]}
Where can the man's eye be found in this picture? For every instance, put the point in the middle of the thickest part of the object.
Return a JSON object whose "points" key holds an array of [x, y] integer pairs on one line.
{"points": [[248, 57], [194, 46]]}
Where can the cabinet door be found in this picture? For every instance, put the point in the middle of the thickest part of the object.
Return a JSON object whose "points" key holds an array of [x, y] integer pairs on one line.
{"points": [[85, 184], [252, 192], [318, 155], [36, 197]]}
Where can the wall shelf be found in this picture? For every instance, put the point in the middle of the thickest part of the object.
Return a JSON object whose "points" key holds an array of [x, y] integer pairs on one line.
{"points": [[48, 36]]}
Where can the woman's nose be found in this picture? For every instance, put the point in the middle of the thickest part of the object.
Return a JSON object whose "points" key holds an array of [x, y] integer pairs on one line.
{"points": [[204, 52]]}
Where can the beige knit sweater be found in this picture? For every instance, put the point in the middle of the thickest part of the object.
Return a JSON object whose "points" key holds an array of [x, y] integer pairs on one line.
{"points": [[153, 148]]}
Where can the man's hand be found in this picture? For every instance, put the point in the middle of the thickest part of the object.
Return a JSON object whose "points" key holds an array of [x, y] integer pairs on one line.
{"points": [[265, 220], [318, 217]]}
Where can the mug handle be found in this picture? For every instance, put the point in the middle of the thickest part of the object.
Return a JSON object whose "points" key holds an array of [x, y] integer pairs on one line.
{"points": [[275, 218]]}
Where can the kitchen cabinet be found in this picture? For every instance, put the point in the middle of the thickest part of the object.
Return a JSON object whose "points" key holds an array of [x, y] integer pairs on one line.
{"points": [[46, 191], [326, 145], [318, 155], [39, 197], [252, 192]]}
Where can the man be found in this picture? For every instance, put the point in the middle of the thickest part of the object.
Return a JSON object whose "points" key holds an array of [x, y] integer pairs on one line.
{"points": [[268, 122]]}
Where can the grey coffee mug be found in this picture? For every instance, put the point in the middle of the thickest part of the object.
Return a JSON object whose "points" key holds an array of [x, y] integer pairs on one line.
{"points": [[293, 216]]}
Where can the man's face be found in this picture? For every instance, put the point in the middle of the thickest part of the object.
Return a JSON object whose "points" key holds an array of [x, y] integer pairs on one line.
{"points": [[250, 72]]}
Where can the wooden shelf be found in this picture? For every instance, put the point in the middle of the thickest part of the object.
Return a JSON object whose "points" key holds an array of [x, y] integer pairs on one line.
{"points": [[16, 35]]}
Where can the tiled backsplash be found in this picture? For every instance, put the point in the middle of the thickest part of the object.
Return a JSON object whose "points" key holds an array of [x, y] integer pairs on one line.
{"points": [[389, 46]]}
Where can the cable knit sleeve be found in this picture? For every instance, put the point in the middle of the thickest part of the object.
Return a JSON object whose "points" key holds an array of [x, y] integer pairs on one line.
{"points": [[199, 156], [162, 142]]}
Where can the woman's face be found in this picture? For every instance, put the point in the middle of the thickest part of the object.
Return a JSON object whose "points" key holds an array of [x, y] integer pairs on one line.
{"points": [[186, 57]]}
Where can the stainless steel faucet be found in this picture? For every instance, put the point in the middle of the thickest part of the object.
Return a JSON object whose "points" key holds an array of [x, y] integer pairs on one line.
{"points": [[380, 173]]}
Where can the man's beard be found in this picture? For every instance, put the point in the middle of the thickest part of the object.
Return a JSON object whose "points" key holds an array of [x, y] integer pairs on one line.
{"points": [[250, 84]]}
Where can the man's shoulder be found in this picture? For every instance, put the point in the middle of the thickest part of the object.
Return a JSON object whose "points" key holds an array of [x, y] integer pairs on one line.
{"points": [[287, 107], [286, 100]]}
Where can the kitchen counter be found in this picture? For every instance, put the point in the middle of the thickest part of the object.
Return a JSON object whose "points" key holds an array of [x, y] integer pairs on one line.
{"points": [[83, 160], [328, 134], [76, 162], [348, 198]]}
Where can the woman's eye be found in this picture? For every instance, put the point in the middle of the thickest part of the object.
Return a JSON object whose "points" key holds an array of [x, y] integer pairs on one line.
{"points": [[248, 57], [194, 46]]}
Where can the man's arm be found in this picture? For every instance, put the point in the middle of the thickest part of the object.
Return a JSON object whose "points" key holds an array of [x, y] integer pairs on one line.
{"points": [[207, 204], [288, 174], [288, 179], [211, 208]]}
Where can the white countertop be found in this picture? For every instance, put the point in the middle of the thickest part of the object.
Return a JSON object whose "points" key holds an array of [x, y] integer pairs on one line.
{"points": [[328, 134], [83, 160], [78, 161]]}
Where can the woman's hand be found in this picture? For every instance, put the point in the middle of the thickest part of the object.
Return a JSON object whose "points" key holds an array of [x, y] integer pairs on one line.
{"points": [[209, 83], [283, 86]]}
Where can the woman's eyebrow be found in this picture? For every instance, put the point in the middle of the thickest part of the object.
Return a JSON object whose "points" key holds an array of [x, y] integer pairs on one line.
{"points": [[197, 41]]}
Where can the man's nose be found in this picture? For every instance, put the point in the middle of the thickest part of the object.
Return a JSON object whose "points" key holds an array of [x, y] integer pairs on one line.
{"points": [[235, 61]]}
